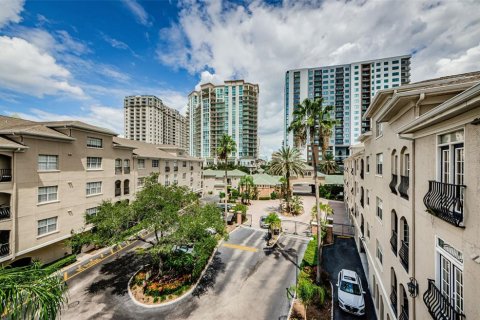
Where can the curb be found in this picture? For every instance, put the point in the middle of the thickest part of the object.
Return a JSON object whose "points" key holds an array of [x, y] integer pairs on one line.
{"points": [[184, 295], [331, 286]]}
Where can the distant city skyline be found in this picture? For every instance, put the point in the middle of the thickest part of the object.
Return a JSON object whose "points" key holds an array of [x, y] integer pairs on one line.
{"points": [[76, 64]]}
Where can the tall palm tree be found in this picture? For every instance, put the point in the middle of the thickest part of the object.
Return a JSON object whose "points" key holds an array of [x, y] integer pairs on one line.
{"points": [[311, 123], [226, 146], [328, 165], [246, 184], [31, 292], [287, 162]]}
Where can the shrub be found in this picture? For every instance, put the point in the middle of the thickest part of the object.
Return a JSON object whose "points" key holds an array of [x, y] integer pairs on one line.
{"points": [[263, 198], [273, 195], [222, 195], [210, 192], [60, 263], [310, 256]]}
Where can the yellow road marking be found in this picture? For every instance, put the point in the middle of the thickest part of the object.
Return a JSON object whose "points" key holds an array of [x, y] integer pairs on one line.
{"points": [[239, 247]]}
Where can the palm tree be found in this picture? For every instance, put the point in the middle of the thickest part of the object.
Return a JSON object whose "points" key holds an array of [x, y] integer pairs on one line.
{"points": [[31, 292], [287, 162], [312, 122], [328, 165], [226, 146], [246, 184]]}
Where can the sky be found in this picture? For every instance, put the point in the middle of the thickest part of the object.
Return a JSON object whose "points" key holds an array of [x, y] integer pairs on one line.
{"points": [[79, 59]]}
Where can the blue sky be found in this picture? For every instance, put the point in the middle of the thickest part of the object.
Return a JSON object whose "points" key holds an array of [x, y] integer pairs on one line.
{"points": [[78, 59]]}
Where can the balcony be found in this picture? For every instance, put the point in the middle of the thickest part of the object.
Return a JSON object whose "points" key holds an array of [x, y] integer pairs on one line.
{"points": [[175, 169], [394, 242], [362, 202], [403, 187], [403, 253], [445, 201], [439, 306], [361, 173], [403, 314], [362, 229], [4, 249], [191, 167], [4, 213], [393, 183], [5, 175], [393, 300], [167, 169]]}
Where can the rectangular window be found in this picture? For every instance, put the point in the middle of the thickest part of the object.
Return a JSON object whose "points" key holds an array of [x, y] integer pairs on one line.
{"points": [[94, 188], [450, 274], [46, 226], [94, 163], [379, 253], [368, 164], [47, 194], [140, 182], [368, 231], [452, 157], [141, 163], [47, 162], [379, 164], [155, 163], [368, 197], [94, 142], [379, 208], [91, 211]]}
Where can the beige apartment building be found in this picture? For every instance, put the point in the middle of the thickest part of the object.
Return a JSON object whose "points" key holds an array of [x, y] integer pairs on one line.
{"points": [[412, 189], [148, 119], [54, 173]]}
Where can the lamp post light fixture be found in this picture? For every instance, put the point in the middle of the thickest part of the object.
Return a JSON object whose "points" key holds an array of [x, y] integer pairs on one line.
{"points": [[413, 287]]}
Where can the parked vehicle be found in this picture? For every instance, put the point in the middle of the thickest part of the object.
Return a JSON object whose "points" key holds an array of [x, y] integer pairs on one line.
{"points": [[350, 292], [262, 222], [221, 206]]}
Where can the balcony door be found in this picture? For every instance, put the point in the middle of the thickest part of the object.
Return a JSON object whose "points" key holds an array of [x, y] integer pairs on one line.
{"points": [[452, 157], [451, 282]]}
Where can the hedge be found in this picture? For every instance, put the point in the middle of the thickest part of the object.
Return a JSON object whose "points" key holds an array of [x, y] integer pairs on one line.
{"points": [[60, 263], [310, 256], [264, 198]]}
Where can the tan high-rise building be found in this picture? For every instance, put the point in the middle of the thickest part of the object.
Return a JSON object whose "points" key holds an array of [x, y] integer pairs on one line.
{"points": [[54, 173], [230, 108], [412, 190], [148, 119]]}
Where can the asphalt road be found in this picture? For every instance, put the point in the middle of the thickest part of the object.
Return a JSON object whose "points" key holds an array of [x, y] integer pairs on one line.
{"points": [[343, 255], [243, 282]]}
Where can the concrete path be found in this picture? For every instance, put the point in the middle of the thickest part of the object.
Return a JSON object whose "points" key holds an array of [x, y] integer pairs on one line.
{"points": [[243, 282]]}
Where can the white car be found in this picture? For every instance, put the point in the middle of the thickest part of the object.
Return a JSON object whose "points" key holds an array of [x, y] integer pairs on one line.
{"points": [[350, 292]]}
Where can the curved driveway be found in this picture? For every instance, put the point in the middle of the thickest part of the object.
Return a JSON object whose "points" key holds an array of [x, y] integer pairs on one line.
{"points": [[240, 284]]}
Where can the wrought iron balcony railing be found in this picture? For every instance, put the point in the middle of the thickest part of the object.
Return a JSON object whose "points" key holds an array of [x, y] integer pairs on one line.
{"points": [[5, 175], [362, 229], [394, 242], [445, 201], [403, 187], [393, 300], [362, 202], [167, 169], [404, 314], [361, 173], [4, 249], [439, 306], [393, 183], [4, 213], [403, 254], [175, 168]]}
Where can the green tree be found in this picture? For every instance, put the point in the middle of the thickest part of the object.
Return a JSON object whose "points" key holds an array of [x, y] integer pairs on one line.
{"points": [[328, 165], [226, 146], [274, 222], [246, 187], [31, 292], [287, 162], [312, 123], [328, 210], [308, 292], [297, 205]]}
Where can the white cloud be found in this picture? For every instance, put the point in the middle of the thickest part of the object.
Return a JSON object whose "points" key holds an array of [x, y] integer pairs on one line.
{"points": [[138, 12], [117, 44], [26, 69], [10, 11], [98, 115], [259, 42]]}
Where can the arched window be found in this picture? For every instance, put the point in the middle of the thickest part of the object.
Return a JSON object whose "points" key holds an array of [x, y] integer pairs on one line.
{"points": [[118, 166], [404, 248], [362, 195], [394, 236], [126, 166], [394, 162], [404, 173], [118, 188], [403, 303], [126, 187], [393, 290]]}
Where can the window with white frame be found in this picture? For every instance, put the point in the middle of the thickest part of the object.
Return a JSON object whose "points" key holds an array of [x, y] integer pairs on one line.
{"points": [[379, 164], [451, 157], [141, 163], [47, 226], [94, 188], [47, 194], [94, 163], [368, 197], [379, 253], [450, 273], [155, 163], [91, 211], [47, 162], [94, 142], [379, 208]]}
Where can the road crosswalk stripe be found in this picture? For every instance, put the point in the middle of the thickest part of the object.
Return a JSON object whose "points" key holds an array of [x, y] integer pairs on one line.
{"points": [[240, 247]]}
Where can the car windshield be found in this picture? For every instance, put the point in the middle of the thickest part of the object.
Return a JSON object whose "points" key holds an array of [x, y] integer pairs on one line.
{"points": [[350, 287]]}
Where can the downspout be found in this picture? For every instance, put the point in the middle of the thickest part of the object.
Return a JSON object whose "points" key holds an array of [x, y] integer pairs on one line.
{"points": [[15, 202], [417, 105]]}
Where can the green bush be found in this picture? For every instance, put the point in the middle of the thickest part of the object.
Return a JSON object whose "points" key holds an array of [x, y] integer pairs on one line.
{"points": [[263, 198], [331, 191], [60, 263], [222, 195], [240, 207], [273, 195], [310, 256]]}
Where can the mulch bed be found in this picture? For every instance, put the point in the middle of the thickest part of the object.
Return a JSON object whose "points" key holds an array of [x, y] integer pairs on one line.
{"points": [[315, 312]]}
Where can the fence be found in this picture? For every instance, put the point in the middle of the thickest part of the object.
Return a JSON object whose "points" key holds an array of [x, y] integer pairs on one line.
{"points": [[297, 228], [341, 229]]}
